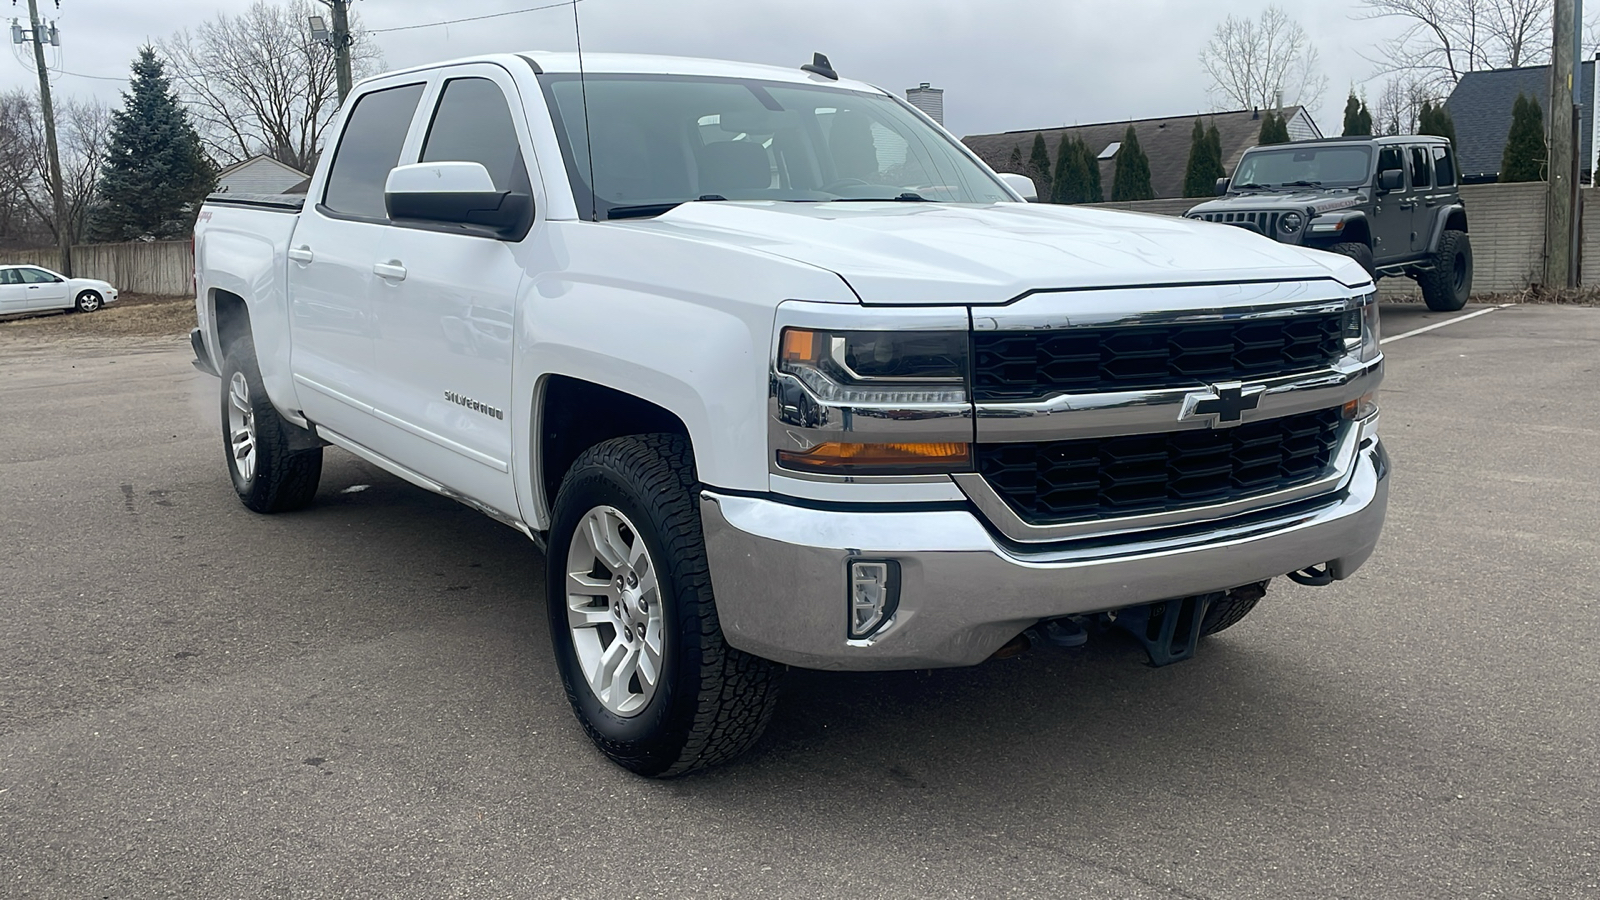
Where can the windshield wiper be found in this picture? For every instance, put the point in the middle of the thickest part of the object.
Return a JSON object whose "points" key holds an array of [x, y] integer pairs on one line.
{"points": [[1251, 186], [907, 197], [642, 210], [1302, 183]]}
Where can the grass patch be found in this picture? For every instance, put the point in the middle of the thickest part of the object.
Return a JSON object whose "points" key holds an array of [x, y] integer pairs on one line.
{"points": [[132, 315]]}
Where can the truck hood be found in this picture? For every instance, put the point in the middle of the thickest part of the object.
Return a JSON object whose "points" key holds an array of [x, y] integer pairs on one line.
{"points": [[915, 253]]}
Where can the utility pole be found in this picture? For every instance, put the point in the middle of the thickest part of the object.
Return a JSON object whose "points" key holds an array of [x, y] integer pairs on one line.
{"points": [[338, 39], [63, 229], [1559, 218]]}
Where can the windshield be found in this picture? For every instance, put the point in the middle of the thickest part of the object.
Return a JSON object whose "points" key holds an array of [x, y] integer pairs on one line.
{"points": [[659, 140], [1337, 166]]}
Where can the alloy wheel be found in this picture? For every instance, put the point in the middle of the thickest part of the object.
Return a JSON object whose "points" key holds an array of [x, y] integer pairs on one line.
{"points": [[241, 426], [614, 611]]}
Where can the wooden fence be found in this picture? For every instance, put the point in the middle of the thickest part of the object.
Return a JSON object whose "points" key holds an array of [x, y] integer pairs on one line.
{"points": [[140, 267]]}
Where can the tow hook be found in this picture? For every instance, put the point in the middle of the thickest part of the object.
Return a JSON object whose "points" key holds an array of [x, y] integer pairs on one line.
{"points": [[1311, 577], [1169, 630]]}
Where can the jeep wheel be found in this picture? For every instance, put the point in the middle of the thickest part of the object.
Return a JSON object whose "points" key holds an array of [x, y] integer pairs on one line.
{"points": [[1448, 285], [632, 619], [1361, 253], [267, 474]]}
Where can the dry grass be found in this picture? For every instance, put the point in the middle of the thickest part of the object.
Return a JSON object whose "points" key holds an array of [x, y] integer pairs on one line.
{"points": [[132, 315]]}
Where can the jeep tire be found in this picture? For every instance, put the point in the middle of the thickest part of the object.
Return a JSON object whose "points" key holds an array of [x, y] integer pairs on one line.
{"points": [[268, 473], [633, 623], [1359, 252], [1447, 286]]}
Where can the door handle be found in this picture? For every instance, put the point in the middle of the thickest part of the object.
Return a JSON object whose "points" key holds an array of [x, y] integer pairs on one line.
{"points": [[301, 254], [393, 271], [1408, 206]]}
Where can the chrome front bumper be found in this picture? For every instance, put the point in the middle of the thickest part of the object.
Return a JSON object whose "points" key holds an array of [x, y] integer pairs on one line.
{"points": [[780, 571]]}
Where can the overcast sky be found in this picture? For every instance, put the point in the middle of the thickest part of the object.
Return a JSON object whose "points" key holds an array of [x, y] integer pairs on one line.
{"points": [[1004, 64]]}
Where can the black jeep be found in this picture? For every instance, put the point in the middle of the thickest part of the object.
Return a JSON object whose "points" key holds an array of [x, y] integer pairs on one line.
{"points": [[1390, 203]]}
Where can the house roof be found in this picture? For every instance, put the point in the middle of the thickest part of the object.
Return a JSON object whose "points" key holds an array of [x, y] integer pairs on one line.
{"points": [[1481, 105], [257, 159], [1164, 140]]}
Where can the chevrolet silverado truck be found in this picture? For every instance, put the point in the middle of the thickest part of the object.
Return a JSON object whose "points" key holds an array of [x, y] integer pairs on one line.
{"points": [[1390, 203], [778, 373]]}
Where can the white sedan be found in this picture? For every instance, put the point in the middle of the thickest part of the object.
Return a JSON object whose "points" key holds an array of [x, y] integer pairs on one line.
{"points": [[37, 289]]}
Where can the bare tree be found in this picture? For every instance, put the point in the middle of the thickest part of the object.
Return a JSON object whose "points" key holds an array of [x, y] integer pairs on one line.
{"points": [[27, 210], [1255, 64], [1399, 103], [257, 83], [1445, 39]]}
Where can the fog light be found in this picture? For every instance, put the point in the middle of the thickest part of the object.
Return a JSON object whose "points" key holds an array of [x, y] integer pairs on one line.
{"points": [[874, 595]]}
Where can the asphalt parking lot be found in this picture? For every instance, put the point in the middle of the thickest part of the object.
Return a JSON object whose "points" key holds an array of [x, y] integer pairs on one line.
{"points": [[358, 700]]}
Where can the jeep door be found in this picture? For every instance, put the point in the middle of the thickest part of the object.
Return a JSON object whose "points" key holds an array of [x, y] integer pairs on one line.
{"points": [[446, 310], [1392, 211], [331, 255], [1425, 202]]}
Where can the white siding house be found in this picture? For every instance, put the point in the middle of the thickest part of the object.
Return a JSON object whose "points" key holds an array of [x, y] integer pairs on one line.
{"points": [[259, 175]]}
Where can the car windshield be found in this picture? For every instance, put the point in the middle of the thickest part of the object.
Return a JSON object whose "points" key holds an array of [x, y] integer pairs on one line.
{"points": [[657, 141], [1337, 166]]}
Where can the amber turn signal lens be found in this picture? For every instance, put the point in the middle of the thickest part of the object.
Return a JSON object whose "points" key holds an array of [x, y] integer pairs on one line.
{"points": [[799, 345], [1360, 409], [889, 459]]}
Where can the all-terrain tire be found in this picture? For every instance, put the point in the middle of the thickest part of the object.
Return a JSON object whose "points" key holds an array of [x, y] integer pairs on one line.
{"points": [[88, 301], [282, 478], [1359, 252], [1448, 285], [1226, 611], [711, 702]]}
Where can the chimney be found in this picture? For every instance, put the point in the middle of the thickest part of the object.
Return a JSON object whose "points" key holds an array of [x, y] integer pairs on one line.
{"points": [[929, 99]]}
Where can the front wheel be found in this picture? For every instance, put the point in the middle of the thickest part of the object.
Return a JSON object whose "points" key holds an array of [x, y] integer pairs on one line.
{"points": [[268, 474], [88, 301], [632, 620], [1359, 252], [1447, 286]]}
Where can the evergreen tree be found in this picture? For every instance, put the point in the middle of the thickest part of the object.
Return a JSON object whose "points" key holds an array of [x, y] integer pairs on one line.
{"points": [[1132, 178], [1062, 184], [1357, 118], [1436, 120], [1274, 129], [1039, 167], [1205, 162], [1016, 161], [155, 174], [1524, 157], [1089, 164], [1214, 146]]}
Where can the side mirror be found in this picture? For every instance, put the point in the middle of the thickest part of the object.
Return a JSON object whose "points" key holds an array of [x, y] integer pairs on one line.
{"points": [[1222, 185], [1022, 184], [456, 193], [1391, 180]]}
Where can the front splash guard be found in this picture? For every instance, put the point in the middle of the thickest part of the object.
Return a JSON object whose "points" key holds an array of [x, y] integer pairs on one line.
{"points": [[1169, 630]]}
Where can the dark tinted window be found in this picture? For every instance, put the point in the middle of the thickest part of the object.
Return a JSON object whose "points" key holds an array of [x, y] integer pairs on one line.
{"points": [[1421, 168], [1390, 158], [1444, 166], [368, 149], [473, 124], [37, 276]]}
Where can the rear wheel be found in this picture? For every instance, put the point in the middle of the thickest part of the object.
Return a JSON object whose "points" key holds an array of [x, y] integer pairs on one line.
{"points": [[1361, 253], [632, 620], [88, 301], [267, 473], [1448, 285]]}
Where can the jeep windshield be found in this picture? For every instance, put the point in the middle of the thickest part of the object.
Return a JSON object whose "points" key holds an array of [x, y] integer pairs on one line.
{"points": [[1315, 167], [655, 141]]}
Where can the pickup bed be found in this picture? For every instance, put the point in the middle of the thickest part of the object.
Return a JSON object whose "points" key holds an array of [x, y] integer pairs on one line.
{"points": [[777, 373]]}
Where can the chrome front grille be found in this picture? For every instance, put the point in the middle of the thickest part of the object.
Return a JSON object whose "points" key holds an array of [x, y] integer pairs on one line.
{"points": [[1029, 365], [1108, 478]]}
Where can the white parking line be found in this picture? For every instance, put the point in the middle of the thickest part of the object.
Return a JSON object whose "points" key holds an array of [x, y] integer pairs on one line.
{"points": [[1427, 328]]}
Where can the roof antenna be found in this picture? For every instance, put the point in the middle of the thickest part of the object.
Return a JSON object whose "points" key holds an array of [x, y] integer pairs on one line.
{"points": [[588, 142], [821, 66]]}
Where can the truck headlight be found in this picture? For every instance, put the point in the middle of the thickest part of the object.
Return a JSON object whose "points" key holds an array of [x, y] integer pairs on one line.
{"points": [[1361, 329], [878, 367]]}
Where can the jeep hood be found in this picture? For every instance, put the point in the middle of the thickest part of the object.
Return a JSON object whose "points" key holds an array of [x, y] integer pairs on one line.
{"points": [[1321, 201], [915, 253]]}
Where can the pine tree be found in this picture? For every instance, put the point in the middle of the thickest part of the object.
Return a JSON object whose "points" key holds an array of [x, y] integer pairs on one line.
{"points": [[1524, 157], [1274, 129], [1205, 162], [1039, 167], [1089, 163], [1436, 120], [1357, 118], [1214, 148], [1016, 161], [1061, 185], [1132, 178], [155, 174]]}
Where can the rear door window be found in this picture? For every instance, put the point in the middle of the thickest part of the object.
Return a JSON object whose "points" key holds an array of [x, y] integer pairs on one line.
{"points": [[368, 148], [1421, 168], [473, 124], [1444, 166]]}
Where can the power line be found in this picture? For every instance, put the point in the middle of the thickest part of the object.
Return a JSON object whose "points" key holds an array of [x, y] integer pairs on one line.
{"points": [[96, 77], [512, 12]]}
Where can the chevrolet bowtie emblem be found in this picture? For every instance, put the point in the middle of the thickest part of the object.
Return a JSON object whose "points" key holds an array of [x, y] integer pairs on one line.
{"points": [[1222, 405]]}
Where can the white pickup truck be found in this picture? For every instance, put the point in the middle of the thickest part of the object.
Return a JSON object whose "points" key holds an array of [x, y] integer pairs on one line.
{"points": [[777, 372]]}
